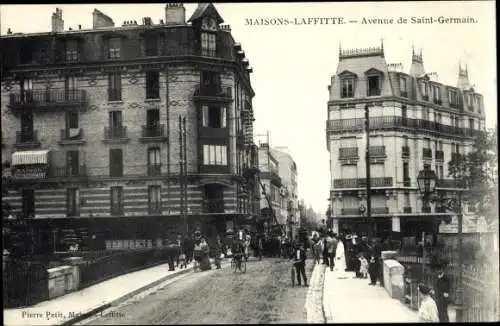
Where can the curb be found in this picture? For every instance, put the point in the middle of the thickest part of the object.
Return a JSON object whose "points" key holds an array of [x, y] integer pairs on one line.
{"points": [[125, 297], [314, 299]]}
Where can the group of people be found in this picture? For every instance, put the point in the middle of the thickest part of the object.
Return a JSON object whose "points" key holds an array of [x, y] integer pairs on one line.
{"points": [[435, 300]]}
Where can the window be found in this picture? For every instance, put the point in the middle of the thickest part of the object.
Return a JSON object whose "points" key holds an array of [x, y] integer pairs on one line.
{"points": [[26, 90], [452, 97], [441, 172], [436, 94], [424, 86], [151, 45], [152, 84], [116, 162], [215, 155], [71, 120], [427, 166], [435, 145], [407, 199], [439, 118], [427, 142], [152, 119], [402, 86], [469, 100], [114, 48], [406, 170], [154, 161], [425, 114], [115, 125], [347, 87], [116, 200], [71, 51], [72, 163], [208, 44], [27, 132], [214, 117], [154, 198], [440, 145], [471, 123], [115, 87], [373, 85], [404, 114], [28, 202], [453, 148], [72, 202], [210, 82], [70, 83], [405, 141]]}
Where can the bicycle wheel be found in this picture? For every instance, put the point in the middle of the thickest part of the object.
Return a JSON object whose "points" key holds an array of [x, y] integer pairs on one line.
{"points": [[243, 268]]}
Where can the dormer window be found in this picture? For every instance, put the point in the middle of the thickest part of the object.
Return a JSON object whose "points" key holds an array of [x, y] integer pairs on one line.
{"points": [[373, 85], [208, 44], [452, 98], [347, 88], [424, 88], [151, 45], [114, 48], [436, 94], [402, 87], [71, 51]]}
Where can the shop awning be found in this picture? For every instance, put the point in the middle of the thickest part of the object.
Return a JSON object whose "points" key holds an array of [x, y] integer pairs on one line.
{"points": [[30, 157]]}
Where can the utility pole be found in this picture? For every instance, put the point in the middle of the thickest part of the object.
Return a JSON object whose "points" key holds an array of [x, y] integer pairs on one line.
{"points": [[368, 175]]}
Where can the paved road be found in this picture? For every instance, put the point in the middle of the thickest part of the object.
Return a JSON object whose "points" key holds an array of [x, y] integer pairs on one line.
{"points": [[262, 295]]}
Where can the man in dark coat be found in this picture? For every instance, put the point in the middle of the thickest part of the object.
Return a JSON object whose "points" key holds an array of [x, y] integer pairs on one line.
{"points": [[442, 293], [299, 258]]}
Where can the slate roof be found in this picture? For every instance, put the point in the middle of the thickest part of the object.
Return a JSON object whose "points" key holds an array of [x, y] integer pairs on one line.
{"points": [[205, 9]]}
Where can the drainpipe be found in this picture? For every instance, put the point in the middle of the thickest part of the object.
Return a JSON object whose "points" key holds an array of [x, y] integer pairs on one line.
{"points": [[167, 106]]}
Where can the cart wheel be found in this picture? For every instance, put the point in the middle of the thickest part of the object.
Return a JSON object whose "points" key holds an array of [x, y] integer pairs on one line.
{"points": [[293, 276]]}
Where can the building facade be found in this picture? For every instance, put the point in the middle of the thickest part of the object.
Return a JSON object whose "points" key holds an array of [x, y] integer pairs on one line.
{"points": [[90, 123], [415, 122], [289, 190]]}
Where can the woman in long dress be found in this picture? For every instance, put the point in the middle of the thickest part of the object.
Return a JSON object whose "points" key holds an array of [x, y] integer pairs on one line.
{"points": [[428, 311], [340, 263]]}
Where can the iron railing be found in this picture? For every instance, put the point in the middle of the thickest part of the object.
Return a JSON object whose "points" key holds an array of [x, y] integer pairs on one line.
{"points": [[212, 91], [361, 182], [47, 98], [439, 156], [377, 151], [426, 153], [65, 135], [405, 151], [154, 169], [27, 137], [348, 152], [153, 131], [115, 132], [213, 206]]}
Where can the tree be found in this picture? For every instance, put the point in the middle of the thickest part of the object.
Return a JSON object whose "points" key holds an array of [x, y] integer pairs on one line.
{"points": [[476, 172]]}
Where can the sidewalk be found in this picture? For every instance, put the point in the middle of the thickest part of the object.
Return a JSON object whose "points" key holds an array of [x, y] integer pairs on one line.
{"points": [[86, 302], [352, 300]]}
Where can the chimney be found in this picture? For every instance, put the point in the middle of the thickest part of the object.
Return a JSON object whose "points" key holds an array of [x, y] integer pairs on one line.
{"points": [[175, 14], [9, 31], [101, 20], [57, 21], [79, 26]]}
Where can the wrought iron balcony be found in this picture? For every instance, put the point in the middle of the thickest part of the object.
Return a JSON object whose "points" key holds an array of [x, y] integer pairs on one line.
{"points": [[213, 206], [154, 169], [357, 211], [380, 210], [47, 173], [71, 136], [404, 94], [427, 153], [153, 133], [377, 151], [407, 182], [272, 176], [425, 97], [214, 93], [48, 99], [407, 209], [350, 211], [426, 209], [348, 153], [439, 156], [116, 133], [68, 171], [361, 182], [448, 183], [27, 139], [405, 151]]}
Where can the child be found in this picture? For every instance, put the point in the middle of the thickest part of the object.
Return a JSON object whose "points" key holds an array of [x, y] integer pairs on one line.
{"points": [[182, 260], [363, 267]]}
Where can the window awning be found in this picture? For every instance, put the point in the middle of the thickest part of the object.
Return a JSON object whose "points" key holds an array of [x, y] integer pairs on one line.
{"points": [[30, 157]]}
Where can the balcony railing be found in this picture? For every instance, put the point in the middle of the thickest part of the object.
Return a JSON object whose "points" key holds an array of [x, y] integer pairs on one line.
{"points": [[361, 182], [404, 94], [348, 153], [447, 183], [426, 209], [377, 151], [439, 155], [425, 97], [397, 122], [427, 153], [407, 209], [356, 211], [380, 210], [27, 139], [45, 99], [154, 169], [67, 171], [71, 136], [272, 176], [405, 151], [438, 101], [118, 132], [53, 172], [114, 94], [407, 182], [153, 132], [214, 92], [213, 206]]}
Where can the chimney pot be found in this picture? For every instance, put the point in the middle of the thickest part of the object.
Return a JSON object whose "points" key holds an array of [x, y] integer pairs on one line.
{"points": [[79, 26], [9, 31]]}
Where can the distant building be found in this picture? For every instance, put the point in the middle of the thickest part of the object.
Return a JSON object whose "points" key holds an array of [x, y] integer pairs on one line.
{"points": [[416, 122], [90, 123]]}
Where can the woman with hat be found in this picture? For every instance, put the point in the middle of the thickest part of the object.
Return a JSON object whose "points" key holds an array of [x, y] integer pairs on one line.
{"points": [[428, 311]]}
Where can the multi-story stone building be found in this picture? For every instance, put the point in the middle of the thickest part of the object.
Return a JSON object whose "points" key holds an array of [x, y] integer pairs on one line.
{"points": [[415, 122], [289, 190], [90, 123]]}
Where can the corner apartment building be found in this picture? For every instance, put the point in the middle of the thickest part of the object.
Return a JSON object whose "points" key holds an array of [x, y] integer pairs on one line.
{"points": [[90, 121], [289, 190], [416, 122]]}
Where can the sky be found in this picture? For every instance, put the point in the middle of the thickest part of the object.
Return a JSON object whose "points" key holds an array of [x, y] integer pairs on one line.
{"points": [[293, 64]]}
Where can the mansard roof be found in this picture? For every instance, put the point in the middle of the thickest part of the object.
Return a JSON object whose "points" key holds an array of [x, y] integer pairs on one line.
{"points": [[206, 9]]}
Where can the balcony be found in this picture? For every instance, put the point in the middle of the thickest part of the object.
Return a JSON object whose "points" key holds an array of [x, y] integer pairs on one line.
{"points": [[405, 151], [454, 105], [448, 183], [68, 171], [440, 209], [49, 173], [404, 94], [350, 211], [213, 206], [439, 156], [356, 211], [51, 99], [425, 97], [427, 153], [347, 153], [272, 176], [380, 210], [438, 101], [72, 136], [212, 93], [27, 139], [153, 133], [154, 170], [117, 134], [426, 209], [361, 182], [407, 182], [407, 209], [377, 152]]}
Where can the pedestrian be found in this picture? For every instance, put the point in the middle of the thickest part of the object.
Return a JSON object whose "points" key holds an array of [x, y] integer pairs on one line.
{"points": [[300, 264], [428, 311], [442, 293], [331, 249], [363, 266], [326, 235], [218, 252], [340, 260]]}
